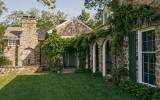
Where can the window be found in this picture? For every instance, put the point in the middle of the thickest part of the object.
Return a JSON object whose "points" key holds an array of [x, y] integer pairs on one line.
{"points": [[11, 42], [148, 57]]}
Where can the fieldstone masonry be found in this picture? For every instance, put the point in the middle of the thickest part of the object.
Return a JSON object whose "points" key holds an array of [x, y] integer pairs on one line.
{"points": [[26, 52], [20, 70]]}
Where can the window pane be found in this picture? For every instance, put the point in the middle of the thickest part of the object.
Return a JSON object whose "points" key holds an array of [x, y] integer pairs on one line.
{"points": [[145, 67], [148, 57], [150, 45], [152, 57], [145, 78], [144, 46], [151, 68], [151, 79]]}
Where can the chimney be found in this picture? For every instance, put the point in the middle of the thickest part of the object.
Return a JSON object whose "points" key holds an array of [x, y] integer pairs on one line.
{"points": [[28, 22]]}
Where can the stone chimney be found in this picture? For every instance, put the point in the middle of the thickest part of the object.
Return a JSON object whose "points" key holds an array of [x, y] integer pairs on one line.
{"points": [[28, 22]]}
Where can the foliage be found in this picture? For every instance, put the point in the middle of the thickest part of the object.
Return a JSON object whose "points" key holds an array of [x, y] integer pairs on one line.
{"points": [[45, 19], [96, 4], [84, 17], [54, 47], [125, 18], [2, 7], [2, 31], [50, 3], [33, 12], [14, 18], [118, 73], [82, 42], [50, 20], [4, 61], [142, 92]]}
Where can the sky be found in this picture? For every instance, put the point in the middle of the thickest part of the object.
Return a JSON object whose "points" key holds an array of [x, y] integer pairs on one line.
{"points": [[70, 7]]}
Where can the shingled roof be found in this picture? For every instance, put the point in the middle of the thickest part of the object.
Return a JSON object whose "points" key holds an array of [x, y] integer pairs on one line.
{"points": [[13, 33]]}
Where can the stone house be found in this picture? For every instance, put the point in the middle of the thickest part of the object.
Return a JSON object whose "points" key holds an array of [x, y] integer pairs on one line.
{"points": [[69, 29], [140, 51], [23, 44]]}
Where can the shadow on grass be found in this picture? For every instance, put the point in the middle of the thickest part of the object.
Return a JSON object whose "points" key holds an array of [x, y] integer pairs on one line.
{"points": [[61, 87]]}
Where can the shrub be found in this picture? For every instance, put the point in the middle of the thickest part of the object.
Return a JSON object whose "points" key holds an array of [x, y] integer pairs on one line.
{"points": [[4, 61], [142, 92], [118, 74]]}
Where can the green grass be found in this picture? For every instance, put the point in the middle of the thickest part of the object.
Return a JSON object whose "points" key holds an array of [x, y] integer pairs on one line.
{"points": [[58, 87]]}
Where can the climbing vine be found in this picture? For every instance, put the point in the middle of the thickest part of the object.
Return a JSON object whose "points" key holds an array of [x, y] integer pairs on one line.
{"points": [[124, 19], [127, 17], [81, 43]]}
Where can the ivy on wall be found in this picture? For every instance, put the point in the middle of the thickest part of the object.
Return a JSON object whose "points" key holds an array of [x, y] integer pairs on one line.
{"points": [[124, 19], [127, 17]]}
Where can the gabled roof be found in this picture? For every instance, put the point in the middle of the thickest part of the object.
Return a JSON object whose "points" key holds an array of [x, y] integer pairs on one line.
{"points": [[74, 24], [13, 33], [69, 21]]}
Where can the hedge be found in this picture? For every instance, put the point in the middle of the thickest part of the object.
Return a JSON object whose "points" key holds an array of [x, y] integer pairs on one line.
{"points": [[141, 91]]}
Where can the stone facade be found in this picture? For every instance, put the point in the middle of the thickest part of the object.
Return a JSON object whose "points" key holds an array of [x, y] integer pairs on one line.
{"points": [[122, 58], [69, 29], [72, 27], [20, 70], [27, 49]]}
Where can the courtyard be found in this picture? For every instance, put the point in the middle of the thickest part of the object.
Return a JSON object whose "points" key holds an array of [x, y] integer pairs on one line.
{"points": [[49, 86]]}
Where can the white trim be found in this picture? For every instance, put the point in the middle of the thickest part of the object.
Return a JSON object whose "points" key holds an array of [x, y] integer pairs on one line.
{"points": [[139, 57], [77, 61], [11, 43], [94, 58], [140, 52], [104, 59], [87, 61]]}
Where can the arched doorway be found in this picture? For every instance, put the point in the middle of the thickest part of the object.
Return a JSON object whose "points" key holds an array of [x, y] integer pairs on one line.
{"points": [[95, 58], [107, 62]]}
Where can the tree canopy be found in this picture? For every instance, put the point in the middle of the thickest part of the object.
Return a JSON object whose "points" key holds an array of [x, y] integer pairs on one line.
{"points": [[45, 19], [2, 7], [50, 3]]}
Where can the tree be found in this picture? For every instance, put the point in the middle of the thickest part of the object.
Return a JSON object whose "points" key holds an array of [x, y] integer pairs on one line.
{"points": [[99, 6], [50, 3], [14, 19], [84, 16], [50, 20], [33, 12], [45, 19], [2, 31], [96, 4], [54, 47], [2, 7], [91, 21]]}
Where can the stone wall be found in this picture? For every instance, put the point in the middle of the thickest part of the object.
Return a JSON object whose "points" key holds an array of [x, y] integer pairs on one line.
{"points": [[157, 69], [20, 70], [10, 53], [121, 59], [29, 43]]}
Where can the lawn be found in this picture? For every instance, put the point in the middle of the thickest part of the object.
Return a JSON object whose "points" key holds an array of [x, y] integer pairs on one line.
{"points": [[47, 86]]}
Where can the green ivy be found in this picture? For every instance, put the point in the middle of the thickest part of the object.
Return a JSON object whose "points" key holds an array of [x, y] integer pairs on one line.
{"points": [[125, 18]]}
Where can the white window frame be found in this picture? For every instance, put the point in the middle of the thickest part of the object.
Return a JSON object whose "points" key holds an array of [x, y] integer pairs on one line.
{"points": [[140, 54], [11, 43]]}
